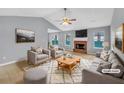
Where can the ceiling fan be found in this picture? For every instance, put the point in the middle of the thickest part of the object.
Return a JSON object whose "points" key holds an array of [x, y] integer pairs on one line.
{"points": [[66, 20]]}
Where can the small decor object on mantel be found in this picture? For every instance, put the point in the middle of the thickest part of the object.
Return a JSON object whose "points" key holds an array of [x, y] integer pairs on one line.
{"points": [[23, 35], [119, 38]]}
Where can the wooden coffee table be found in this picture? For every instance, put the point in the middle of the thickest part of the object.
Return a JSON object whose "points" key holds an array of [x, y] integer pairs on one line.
{"points": [[68, 63]]}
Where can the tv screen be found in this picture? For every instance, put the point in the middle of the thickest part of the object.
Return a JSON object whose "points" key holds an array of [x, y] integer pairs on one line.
{"points": [[81, 33]]}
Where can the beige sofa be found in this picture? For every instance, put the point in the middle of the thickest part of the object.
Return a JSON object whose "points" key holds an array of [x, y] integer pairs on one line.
{"points": [[37, 58], [90, 74]]}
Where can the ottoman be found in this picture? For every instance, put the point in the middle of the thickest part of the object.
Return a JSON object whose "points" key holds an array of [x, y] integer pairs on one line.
{"points": [[36, 75]]}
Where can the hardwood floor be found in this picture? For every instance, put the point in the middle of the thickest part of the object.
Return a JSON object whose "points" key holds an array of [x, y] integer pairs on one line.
{"points": [[12, 73]]}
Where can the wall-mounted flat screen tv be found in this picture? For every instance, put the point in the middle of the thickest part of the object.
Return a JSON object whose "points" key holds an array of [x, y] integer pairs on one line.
{"points": [[81, 33], [23, 36]]}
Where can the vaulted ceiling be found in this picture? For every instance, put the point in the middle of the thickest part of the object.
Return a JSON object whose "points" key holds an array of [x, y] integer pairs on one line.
{"points": [[85, 17]]}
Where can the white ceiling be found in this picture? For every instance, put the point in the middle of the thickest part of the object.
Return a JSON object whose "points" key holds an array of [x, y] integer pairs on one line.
{"points": [[86, 17]]}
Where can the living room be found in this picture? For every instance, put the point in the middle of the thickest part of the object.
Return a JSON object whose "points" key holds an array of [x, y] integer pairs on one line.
{"points": [[65, 48]]}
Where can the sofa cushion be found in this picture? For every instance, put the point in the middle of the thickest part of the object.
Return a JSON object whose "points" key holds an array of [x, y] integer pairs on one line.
{"points": [[117, 65], [104, 55], [59, 52], [103, 66], [41, 56]]}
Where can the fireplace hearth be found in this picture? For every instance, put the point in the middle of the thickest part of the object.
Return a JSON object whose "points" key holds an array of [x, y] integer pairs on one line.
{"points": [[80, 46]]}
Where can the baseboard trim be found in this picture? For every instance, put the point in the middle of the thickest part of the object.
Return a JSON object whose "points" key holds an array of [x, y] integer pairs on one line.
{"points": [[11, 62], [7, 63], [91, 53]]}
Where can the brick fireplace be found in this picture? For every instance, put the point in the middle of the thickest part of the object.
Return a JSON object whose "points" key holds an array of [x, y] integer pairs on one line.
{"points": [[80, 46]]}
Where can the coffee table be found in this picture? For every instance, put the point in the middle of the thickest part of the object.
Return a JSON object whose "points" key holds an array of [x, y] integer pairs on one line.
{"points": [[68, 63]]}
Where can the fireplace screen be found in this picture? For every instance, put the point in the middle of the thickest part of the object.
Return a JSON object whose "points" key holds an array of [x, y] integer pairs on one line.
{"points": [[80, 46]]}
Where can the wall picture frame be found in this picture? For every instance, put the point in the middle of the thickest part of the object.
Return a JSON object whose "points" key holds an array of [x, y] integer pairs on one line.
{"points": [[119, 38], [24, 35]]}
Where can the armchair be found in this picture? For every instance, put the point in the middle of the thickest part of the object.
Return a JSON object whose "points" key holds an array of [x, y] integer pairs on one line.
{"points": [[57, 53], [37, 58]]}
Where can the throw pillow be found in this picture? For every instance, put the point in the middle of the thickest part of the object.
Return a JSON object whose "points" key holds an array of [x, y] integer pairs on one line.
{"points": [[103, 66], [39, 50], [56, 48], [117, 65], [33, 49], [104, 55], [111, 56], [51, 47]]}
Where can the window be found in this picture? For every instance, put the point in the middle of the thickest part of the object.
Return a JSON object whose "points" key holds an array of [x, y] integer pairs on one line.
{"points": [[98, 39], [55, 40], [67, 39]]}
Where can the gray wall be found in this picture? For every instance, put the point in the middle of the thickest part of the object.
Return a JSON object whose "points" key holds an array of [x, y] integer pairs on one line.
{"points": [[90, 45], [9, 49], [117, 20]]}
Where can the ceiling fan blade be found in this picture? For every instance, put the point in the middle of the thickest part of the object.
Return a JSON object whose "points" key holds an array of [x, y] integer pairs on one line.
{"points": [[72, 19]]}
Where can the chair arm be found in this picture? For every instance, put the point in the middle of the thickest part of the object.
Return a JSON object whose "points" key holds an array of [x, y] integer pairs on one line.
{"points": [[32, 57], [94, 77], [46, 51], [53, 53]]}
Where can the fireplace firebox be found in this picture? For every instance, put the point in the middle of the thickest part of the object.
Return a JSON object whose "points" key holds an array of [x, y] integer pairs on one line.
{"points": [[80, 46]]}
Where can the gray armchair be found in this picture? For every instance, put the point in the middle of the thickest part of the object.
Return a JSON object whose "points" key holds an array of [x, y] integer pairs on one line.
{"points": [[36, 58], [57, 53]]}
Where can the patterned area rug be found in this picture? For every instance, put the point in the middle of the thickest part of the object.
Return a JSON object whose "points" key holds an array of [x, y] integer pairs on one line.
{"points": [[60, 76]]}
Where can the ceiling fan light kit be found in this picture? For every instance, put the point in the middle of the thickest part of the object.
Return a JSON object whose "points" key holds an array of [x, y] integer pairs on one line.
{"points": [[65, 23], [66, 20]]}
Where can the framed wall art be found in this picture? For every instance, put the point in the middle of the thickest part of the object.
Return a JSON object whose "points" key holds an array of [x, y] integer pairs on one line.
{"points": [[23, 35], [119, 38]]}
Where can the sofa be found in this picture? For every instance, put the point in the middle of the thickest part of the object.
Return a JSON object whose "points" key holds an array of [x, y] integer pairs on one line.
{"points": [[92, 75], [56, 52], [38, 55]]}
